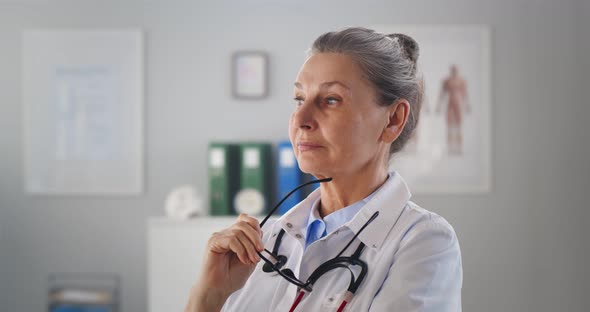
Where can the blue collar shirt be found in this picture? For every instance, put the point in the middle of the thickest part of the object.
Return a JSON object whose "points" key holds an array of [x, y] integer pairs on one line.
{"points": [[318, 228]]}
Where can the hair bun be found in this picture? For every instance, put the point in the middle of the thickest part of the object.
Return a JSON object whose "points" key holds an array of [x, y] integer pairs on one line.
{"points": [[409, 45]]}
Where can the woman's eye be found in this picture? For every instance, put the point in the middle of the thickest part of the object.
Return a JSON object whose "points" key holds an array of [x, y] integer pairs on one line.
{"points": [[298, 101], [332, 101]]}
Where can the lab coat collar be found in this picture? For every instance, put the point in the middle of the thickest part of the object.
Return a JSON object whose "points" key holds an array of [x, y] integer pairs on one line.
{"points": [[294, 221], [389, 200]]}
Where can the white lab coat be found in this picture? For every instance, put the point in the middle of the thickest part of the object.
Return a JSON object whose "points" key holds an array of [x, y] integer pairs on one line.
{"points": [[413, 257]]}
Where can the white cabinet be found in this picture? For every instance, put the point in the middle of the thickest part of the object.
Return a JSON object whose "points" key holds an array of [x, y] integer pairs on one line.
{"points": [[175, 255]]}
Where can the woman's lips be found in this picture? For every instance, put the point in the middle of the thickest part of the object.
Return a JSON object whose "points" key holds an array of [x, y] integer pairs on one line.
{"points": [[306, 146]]}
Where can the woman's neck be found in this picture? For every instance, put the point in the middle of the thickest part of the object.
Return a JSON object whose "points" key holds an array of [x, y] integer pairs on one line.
{"points": [[347, 189]]}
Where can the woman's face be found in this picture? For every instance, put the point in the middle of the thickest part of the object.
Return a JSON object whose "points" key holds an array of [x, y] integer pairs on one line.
{"points": [[336, 126]]}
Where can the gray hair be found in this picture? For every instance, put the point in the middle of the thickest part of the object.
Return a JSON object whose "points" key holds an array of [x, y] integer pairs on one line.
{"points": [[389, 63]]}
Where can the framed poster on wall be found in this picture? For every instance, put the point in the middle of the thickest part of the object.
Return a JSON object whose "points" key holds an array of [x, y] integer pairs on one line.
{"points": [[450, 149], [82, 92], [249, 74]]}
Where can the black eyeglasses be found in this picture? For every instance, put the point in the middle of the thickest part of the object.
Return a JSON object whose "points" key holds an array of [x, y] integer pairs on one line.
{"points": [[336, 262]]}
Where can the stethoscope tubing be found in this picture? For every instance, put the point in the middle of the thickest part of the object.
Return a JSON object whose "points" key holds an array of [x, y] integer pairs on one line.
{"points": [[347, 298], [336, 262]]}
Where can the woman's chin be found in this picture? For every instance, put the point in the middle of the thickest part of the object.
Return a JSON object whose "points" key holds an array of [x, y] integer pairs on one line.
{"points": [[312, 169], [315, 169]]}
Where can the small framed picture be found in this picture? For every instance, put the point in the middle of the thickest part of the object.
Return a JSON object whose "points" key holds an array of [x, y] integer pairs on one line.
{"points": [[249, 74]]}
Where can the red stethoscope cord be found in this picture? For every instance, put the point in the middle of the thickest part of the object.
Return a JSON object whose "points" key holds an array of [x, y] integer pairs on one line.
{"points": [[347, 298], [302, 293], [342, 305], [297, 300]]}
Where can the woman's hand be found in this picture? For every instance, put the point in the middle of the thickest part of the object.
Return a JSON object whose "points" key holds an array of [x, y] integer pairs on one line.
{"points": [[230, 259], [231, 255]]}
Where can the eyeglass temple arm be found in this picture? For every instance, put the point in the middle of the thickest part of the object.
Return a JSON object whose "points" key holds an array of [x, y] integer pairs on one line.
{"points": [[287, 196], [358, 233]]}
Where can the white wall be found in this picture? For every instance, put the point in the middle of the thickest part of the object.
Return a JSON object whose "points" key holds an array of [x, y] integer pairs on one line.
{"points": [[584, 83], [523, 244]]}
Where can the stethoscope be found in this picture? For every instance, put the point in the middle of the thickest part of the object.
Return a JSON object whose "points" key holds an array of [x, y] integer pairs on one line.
{"points": [[338, 262]]}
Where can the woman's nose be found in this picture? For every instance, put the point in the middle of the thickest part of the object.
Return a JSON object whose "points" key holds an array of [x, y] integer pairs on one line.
{"points": [[304, 116]]}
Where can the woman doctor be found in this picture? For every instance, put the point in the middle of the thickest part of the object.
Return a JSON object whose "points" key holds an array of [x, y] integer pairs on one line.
{"points": [[357, 243]]}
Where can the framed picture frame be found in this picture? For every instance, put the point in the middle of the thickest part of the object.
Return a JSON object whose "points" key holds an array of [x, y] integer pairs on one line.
{"points": [[249, 74], [82, 93], [450, 149]]}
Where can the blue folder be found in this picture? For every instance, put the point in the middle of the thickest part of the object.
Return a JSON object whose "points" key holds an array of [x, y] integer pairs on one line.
{"points": [[288, 177], [74, 308]]}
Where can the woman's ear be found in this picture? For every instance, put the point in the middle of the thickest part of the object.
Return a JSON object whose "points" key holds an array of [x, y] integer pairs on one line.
{"points": [[397, 114]]}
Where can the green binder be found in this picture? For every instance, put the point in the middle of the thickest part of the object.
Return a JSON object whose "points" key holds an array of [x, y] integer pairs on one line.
{"points": [[255, 191], [223, 177]]}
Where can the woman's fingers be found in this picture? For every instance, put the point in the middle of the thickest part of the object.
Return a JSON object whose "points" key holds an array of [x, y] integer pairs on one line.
{"points": [[251, 233], [236, 246], [251, 221], [247, 244], [243, 238]]}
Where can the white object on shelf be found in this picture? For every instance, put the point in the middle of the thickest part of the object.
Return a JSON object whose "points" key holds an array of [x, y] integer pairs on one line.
{"points": [[249, 201], [184, 202], [175, 255]]}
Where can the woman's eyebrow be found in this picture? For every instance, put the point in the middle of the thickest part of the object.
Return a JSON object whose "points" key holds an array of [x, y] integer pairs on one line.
{"points": [[325, 85], [331, 83]]}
